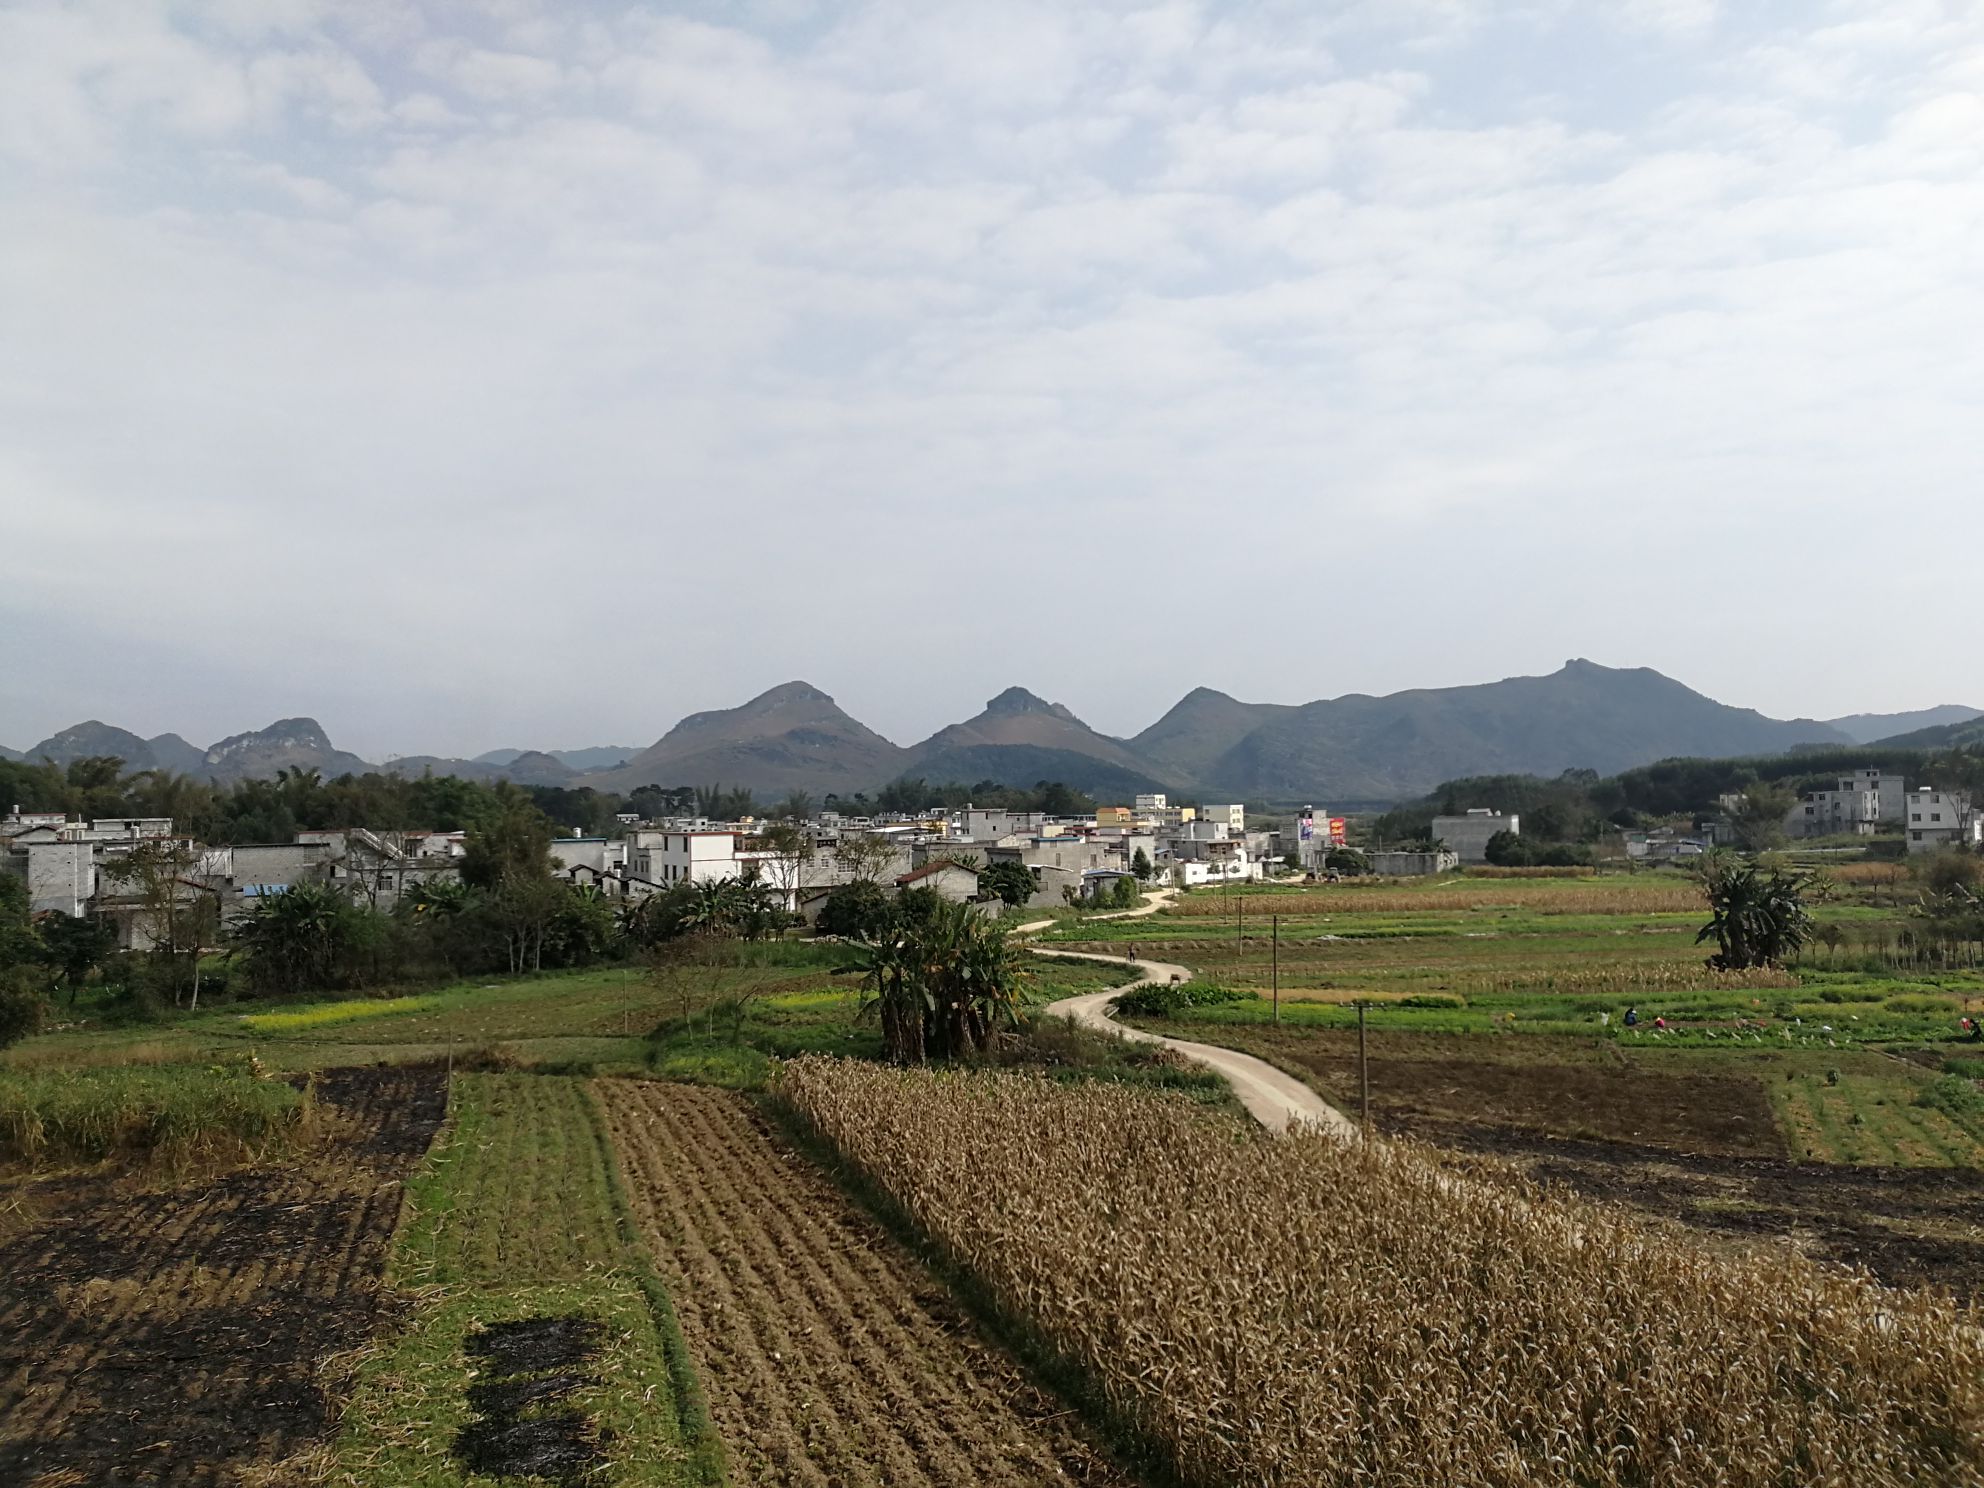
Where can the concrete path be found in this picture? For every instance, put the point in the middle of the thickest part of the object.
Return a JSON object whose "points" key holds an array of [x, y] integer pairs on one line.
{"points": [[1274, 1099]]}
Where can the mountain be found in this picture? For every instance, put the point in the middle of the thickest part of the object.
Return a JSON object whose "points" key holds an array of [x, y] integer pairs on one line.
{"points": [[1584, 716], [597, 757], [1020, 738], [95, 738], [170, 752], [10, 754], [1201, 727], [1881, 728], [288, 743], [1941, 736], [793, 737]]}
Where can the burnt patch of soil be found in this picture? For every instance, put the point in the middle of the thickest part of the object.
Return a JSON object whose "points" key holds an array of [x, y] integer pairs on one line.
{"points": [[523, 1427], [176, 1335], [1610, 1099], [1908, 1226]]}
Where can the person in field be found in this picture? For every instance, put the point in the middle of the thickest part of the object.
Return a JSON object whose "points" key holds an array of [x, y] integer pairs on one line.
{"points": [[1632, 1017]]}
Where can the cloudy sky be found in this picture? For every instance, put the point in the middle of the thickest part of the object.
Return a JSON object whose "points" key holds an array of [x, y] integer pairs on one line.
{"points": [[489, 372]]}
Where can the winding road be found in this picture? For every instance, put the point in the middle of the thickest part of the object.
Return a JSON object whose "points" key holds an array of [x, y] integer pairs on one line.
{"points": [[1276, 1100]]}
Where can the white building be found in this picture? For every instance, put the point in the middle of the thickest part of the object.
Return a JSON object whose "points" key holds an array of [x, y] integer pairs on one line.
{"points": [[1467, 836], [1147, 805], [665, 858], [1942, 819]]}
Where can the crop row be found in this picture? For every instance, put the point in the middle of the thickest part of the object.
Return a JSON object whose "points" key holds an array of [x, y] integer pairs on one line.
{"points": [[1316, 1312]]}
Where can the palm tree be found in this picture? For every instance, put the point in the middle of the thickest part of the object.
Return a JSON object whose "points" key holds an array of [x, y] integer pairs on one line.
{"points": [[1757, 915]]}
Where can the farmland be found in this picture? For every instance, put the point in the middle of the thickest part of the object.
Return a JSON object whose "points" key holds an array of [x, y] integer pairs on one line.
{"points": [[830, 1355], [680, 1227], [1451, 1329], [175, 1334]]}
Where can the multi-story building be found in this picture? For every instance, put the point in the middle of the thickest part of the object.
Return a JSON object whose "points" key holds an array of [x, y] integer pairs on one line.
{"points": [[1860, 805], [1233, 818], [1942, 819]]}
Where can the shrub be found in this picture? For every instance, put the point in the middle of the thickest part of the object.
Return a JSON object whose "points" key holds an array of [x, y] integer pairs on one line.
{"points": [[1953, 1095], [1911, 1003], [856, 911], [21, 1008], [1166, 999], [1432, 1000]]}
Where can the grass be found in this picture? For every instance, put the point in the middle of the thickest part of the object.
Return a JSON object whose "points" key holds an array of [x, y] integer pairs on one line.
{"points": [[160, 1113], [330, 1014], [517, 1213]]}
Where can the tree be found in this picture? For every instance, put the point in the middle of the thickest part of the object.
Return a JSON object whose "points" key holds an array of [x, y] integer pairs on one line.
{"points": [[1348, 861], [176, 912], [296, 941], [1012, 881], [788, 847], [941, 983], [1140, 864], [797, 807], [1758, 816], [76, 946], [859, 910], [1758, 914], [21, 951], [866, 855]]}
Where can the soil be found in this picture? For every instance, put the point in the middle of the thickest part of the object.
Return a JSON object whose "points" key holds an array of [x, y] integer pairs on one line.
{"points": [[1907, 1226], [1609, 1099], [176, 1335], [830, 1356]]}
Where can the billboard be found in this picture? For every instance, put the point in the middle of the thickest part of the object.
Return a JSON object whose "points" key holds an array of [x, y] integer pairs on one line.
{"points": [[1339, 832]]}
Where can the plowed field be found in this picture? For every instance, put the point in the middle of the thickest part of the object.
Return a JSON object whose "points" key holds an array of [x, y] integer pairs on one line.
{"points": [[830, 1357], [175, 1336]]}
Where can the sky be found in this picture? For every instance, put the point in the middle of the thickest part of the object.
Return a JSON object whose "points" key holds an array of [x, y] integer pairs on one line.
{"points": [[500, 373]]}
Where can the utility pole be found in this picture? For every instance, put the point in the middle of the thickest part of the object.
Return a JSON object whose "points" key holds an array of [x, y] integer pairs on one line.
{"points": [[1274, 962], [1363, 1068]]}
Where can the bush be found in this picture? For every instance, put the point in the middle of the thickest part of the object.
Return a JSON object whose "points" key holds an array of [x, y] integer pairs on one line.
{"points": [[1953, 1095], [1432, 1000], [1166, 999], [21, 1008], [1913, 1004], [856, 911], [1348, 861]]}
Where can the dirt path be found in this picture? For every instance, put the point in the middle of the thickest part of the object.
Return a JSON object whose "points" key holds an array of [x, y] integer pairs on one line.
{"points": [[1274, 1099], [175, 1335], [831, 1359]]}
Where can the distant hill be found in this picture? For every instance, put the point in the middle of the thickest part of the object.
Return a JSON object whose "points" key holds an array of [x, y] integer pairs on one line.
{"points": [[1020, 738], [1879, 728], [519, 766], [170, 752], [597, 757], [793, 737], [1942, 736], [10, 754], [1584, 716], [1201, 726], [288, 743], [92, 739]]}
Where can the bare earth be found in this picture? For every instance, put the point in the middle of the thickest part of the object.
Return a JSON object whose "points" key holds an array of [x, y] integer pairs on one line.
{"points": [[829, 1355]]}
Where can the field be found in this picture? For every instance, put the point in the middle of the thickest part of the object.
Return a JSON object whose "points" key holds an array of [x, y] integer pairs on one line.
{"points": [[516, 1234], [830, 1356], [178, 1334], [1447, 1328]]}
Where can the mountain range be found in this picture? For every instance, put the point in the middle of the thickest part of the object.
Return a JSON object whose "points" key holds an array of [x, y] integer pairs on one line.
{"points": [[1351, 749]]}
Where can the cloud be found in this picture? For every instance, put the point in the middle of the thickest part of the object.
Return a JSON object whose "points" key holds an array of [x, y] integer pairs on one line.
{"points": [[595, 361]]}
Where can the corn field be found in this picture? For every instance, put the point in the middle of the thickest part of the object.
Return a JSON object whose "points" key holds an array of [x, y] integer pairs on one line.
{"points": [[1308, 1312]]}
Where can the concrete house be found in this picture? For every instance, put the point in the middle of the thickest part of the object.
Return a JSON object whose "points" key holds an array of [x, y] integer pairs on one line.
{"points": [[1942, 819], [952, 881], [1862, 803], [1467, 836]]}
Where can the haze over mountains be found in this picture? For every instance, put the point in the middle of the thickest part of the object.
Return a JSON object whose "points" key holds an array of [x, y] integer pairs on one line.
{"points": [[1348, 749]]}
